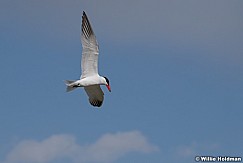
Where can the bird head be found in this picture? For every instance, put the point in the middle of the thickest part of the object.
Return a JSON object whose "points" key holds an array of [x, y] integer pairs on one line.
{"points": [[107, 84]]}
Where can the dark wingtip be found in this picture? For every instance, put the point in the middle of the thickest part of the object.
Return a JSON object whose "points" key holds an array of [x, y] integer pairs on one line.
{"points": [[96, 103], [84, 14], [86, 26]]}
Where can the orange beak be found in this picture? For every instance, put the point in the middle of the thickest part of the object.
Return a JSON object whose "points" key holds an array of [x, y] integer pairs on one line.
{"points": [[108, 87]]}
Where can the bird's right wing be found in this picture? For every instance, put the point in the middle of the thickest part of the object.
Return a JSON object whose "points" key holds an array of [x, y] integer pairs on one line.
{"points": [[89, 64], [96, 95]]}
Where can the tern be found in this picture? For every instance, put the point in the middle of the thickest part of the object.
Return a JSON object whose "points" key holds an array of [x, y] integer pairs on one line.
{"points": [[90, 79]]}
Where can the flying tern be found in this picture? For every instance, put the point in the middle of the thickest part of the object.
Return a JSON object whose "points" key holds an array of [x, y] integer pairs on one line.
{"points": [[90, 79]]}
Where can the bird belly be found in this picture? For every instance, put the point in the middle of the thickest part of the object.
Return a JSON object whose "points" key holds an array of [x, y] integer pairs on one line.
{"points": [[93, 80]]}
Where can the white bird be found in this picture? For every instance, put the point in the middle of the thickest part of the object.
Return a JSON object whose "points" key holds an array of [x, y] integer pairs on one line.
{"points": [[90, 78]]}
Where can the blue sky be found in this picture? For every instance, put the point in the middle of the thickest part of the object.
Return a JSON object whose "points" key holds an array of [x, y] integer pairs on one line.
{"points": [[176, 73]]}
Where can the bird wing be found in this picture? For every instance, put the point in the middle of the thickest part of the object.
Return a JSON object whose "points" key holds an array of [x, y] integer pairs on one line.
{"points": [[90, 52], [96, 95]]}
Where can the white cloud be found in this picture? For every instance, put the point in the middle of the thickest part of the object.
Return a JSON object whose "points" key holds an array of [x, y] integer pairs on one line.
{"points": [[186, 151], [195, 148], [51, 148], [112, 146], [107, 148]]}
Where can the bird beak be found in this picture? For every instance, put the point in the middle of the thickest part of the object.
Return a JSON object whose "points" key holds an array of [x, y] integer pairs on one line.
{"points": [[108, 87]]}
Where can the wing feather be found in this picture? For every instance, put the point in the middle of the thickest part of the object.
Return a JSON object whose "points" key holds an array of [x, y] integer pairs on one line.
{"points": [[89, 63], [96, 95]]}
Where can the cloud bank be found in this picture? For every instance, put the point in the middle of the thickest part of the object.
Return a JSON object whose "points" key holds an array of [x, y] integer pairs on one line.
{"points": [[107, 148]]}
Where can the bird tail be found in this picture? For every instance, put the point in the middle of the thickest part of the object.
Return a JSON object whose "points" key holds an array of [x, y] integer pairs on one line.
{"points": [[70, 86]]}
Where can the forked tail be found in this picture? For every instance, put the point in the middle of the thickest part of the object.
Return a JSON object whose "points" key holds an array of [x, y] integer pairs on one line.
{"points": [[70, 85]]}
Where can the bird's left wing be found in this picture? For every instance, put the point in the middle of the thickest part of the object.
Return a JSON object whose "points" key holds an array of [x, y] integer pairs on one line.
{"points": [[96, 95], [89, 64]]}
